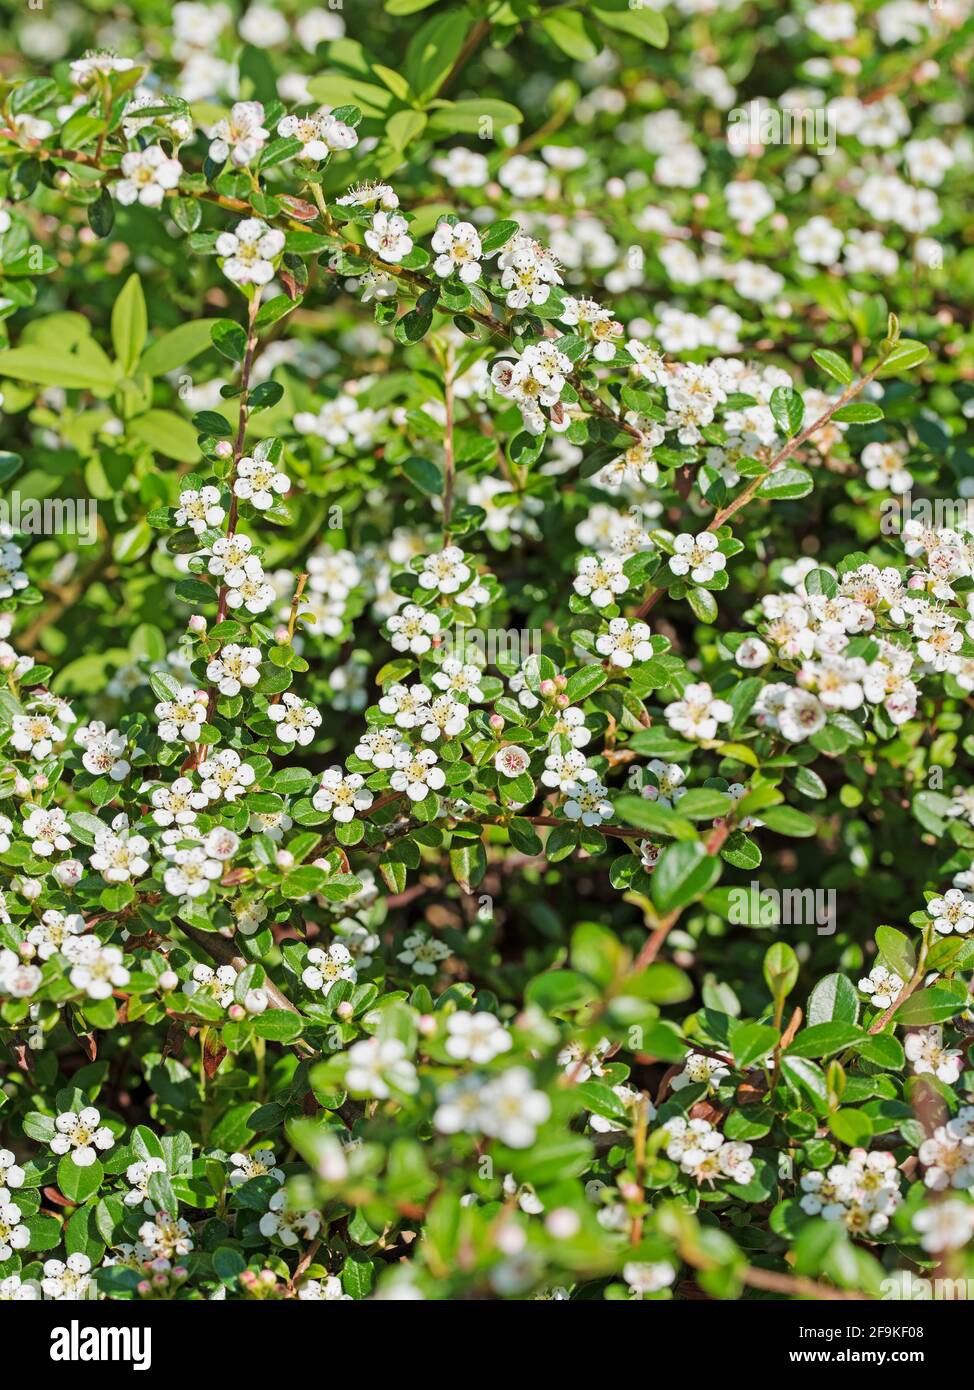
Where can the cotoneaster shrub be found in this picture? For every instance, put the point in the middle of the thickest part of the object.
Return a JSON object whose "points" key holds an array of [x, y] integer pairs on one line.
{"points": [[486, 586]]}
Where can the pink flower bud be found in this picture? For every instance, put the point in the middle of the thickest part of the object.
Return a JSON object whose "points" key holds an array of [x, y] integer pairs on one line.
{"points": [[237, 1012], [197, 623], [224, 449]]}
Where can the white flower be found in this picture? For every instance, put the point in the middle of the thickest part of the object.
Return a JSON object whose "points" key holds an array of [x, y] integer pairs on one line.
{"points": [[165, 1237], [562, 770], [946, 1226], [952, 912], [249, 252], [600, 578], [147, 176], [11, 1174], [476, 1037], [445, 572], [881, 985], [83, 70], [48, 830], [405, 703], [240, 138], [191, 873], [643, 1277], [118, 854], [213, 984], [818, 242], [295, 718], [587, 799], [319, 134], [460, 679], [625, 642], [458, 251], [512, 760], [14, 1235], [326, 967], [14, 1290], [104, 751], [377, 1064], [462, 168], [388, 237], [224, 775], [669, 780], [177, 804], [259, 1164], [801, 715], [183, 717], [925, 1049], [50, 934], [248, 587], [81, 1135], [17, 979], [511, 1109], [328, 1290], [221, 843], [698, 713], [99, 971], [883, 463], [699, 1068], [286, 1225], [233, 667], [257, 481], [199, 508], [12, 577], [423, 953], [342, 794], [412, 629], [35, 734], [416, 773], [444, 717], [67, 1280], [379, 747], [697, 556], [138, 1174]]}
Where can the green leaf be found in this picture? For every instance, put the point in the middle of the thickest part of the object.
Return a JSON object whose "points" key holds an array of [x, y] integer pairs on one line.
{"points": [[785, 484], [821, 1039], [424, 475], [638, 20], [897, 951], [129, 324], [858, 413], [834, 999], [684, 872], [433, 50], [77, 1183], [851, 1127], [177, 347], [572, 33], [906, 354], [833, 365], [167, 433], [598, 953], [468, 864], [788, 409], [785, 820], [780, 969]]}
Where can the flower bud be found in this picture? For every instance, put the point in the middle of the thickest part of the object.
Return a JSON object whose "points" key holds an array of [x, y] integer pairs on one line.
{"points": [[284, 859], [197, 623], [496, 722], [548, 688], [224, 449], [256, 1001], [168, 979], [237, 1012], [68, 872]]}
